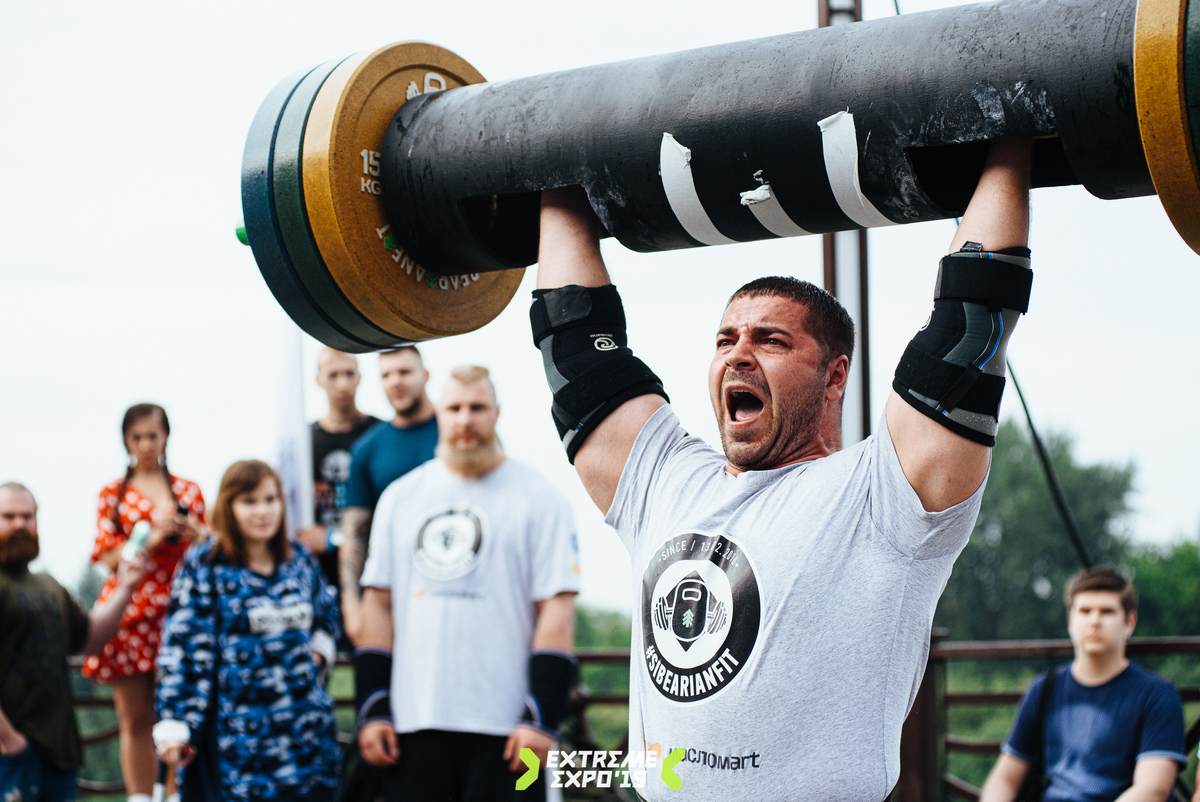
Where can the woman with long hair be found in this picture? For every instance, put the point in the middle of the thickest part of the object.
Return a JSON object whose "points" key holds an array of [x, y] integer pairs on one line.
{"points": [[174, 509], [246, 646]]}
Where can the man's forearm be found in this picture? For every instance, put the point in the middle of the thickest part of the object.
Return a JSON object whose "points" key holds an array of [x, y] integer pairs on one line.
{"points": [[377, 632], [1152, 780], [555, 624], [1005, 779], [998, 214], [352, 556], [569, 249], [104, 619]]}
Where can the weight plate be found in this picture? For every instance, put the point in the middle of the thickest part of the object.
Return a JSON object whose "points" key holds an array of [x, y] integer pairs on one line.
{"points": [[262, 226], [345, 130], [1159, 42], [293, 220]]}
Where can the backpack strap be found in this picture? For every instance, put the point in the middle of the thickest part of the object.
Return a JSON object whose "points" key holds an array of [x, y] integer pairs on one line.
{"points": [[1036, 781]]}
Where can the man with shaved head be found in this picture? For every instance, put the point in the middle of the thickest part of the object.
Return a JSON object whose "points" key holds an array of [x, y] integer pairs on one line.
{"points": [[40, 625], [332, 437], [468, 614]]}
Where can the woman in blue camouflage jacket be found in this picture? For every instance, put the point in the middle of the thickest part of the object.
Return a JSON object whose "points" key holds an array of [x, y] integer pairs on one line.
{"points": [[249, 637]]}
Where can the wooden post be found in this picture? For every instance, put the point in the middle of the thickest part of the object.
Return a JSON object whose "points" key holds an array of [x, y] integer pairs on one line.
{"points": [[923, 738]]}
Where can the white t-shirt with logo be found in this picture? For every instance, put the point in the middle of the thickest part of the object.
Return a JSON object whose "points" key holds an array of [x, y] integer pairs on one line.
{"points": [[465, 559], [781, 619]]}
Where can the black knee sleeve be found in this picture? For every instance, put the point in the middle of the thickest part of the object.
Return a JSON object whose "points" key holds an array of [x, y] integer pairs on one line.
{"points": [[551, 677], [953, 370], [590, 369], [372, 685]]}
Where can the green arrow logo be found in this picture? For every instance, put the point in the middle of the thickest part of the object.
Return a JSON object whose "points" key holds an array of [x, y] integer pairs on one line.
{"points": [[530, 777], [668, 776]]}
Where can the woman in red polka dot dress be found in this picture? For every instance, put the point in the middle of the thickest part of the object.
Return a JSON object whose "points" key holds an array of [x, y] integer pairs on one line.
{"points": [[175, 510]]}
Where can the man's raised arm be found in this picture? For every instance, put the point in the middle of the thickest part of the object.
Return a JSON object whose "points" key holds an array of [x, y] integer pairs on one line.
{"points": [[602, 393], [946, 398]]}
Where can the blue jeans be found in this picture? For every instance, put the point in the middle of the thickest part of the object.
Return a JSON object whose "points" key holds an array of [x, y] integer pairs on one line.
{"points": [[33, 780]]}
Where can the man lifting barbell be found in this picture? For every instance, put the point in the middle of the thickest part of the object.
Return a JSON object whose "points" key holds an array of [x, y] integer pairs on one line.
{"points": [[787, 586]]}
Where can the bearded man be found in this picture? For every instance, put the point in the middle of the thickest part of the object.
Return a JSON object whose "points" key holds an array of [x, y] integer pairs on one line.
{"points": [[468, 613], [40, 624], [386, 452], [785, 587]]}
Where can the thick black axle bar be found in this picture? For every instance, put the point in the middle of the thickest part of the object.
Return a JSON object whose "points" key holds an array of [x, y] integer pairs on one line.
{"points": [[852, 126]]}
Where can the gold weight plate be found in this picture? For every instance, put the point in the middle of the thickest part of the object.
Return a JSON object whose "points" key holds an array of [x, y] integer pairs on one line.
{"points": [[345, 131], [1158, 83]]}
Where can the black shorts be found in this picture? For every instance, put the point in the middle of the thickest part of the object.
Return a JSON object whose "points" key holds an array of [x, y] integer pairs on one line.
{"points": [[440, 766]]}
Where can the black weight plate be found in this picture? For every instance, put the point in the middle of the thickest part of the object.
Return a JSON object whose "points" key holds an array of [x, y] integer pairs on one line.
{"points": [[262, 227], [293, 217]]}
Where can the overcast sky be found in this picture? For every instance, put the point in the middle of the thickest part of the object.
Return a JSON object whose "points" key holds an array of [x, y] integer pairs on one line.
{"points": [[121, 280]]}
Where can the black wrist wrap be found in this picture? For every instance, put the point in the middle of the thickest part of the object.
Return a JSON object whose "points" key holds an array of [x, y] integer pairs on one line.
{"points": [[372, 685], [551, 678], [591, 371], [953, 370]]}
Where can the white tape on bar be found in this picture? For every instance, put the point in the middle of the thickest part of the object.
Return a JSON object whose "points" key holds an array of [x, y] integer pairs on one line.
{"points": [[675, 164], [840, 144], [766, 209]]}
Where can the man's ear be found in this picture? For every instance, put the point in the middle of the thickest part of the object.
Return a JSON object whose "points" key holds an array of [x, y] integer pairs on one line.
{"points": [[836, 376], [1131, 621]]}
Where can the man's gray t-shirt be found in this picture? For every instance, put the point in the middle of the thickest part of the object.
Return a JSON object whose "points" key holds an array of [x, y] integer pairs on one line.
{"points": [[465, 560], [781, 620]]}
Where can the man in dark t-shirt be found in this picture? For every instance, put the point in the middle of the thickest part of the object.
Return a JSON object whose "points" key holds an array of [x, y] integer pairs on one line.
{"points": [[40, 624], [385, 453], [1111, 729], [332, 437]]}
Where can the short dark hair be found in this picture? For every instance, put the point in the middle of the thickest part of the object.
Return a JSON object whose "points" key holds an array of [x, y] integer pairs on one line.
{"points": [[826, 319], [1103, 579]]}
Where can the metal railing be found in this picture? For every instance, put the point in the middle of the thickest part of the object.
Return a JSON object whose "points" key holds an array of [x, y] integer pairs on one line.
{"points": [[925, 741]]}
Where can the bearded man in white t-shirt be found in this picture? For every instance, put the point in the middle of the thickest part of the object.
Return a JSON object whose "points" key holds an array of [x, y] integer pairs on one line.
{"points": [[786, 587], [468, 619]]}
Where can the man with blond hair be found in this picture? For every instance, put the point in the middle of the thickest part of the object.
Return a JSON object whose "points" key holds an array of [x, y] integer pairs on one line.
{"points": [[471, 585], [1100, 728]]}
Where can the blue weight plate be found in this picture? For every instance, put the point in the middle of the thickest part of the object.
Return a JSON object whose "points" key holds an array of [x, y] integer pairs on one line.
{"points": [[288, 189], [262, 226]]}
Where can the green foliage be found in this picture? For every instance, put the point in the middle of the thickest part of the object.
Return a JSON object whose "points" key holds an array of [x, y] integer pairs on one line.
{"points": [[1168, 583], [604, 629], [1009, 580], [101, 761]]}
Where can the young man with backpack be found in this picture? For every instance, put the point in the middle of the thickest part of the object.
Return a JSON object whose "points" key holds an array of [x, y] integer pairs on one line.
{"points": [[1106, 729]]}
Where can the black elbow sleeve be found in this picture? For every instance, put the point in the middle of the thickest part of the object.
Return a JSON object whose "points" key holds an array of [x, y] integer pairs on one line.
{"points": [[372, 685], [589, 367], [953, 370], [551, 677]]}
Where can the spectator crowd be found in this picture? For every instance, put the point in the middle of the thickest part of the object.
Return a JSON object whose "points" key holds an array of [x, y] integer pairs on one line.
{"points": [[216, 633]]}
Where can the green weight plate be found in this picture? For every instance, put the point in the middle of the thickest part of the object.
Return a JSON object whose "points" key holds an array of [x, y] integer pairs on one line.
{"points": [[293, 218], [262, 225]]}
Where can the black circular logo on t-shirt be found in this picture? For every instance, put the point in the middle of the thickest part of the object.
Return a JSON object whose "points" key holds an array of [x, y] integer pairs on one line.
{"points": [[701, 612], [448, 543]]}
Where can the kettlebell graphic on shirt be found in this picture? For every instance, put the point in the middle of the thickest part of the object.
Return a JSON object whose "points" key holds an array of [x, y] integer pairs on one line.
{"points": [[701, 613], [689, 609], [450, 542]]}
